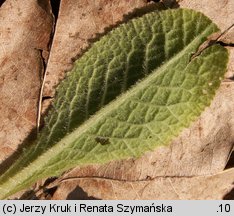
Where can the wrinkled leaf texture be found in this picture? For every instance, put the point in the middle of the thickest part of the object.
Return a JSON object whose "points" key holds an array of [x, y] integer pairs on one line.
{"points": [[133, 90]]}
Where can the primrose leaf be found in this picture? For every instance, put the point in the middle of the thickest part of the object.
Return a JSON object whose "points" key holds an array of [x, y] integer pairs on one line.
{"points": [[133, 90]]}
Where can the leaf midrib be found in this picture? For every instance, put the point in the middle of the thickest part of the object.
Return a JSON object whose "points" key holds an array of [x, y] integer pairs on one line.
{"points": [[43, 159]]}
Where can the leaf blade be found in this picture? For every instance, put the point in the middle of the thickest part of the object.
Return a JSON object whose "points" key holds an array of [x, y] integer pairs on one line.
{"points": [[120, 123]]}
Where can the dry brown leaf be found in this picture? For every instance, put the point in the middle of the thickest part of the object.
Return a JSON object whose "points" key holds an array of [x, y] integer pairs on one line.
{"points": [[25, 30], [218, 186]]}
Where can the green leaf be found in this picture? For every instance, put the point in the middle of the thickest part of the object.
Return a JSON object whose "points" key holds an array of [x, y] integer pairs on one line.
{"points": [[132, 91]]}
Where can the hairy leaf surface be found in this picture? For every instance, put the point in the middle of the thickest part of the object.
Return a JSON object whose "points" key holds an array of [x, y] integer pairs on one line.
{"points": [[132, 91]]}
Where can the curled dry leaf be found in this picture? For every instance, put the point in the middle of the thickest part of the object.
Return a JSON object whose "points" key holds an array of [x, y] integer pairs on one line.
{"points": [[25, 30], [218, 186]]}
